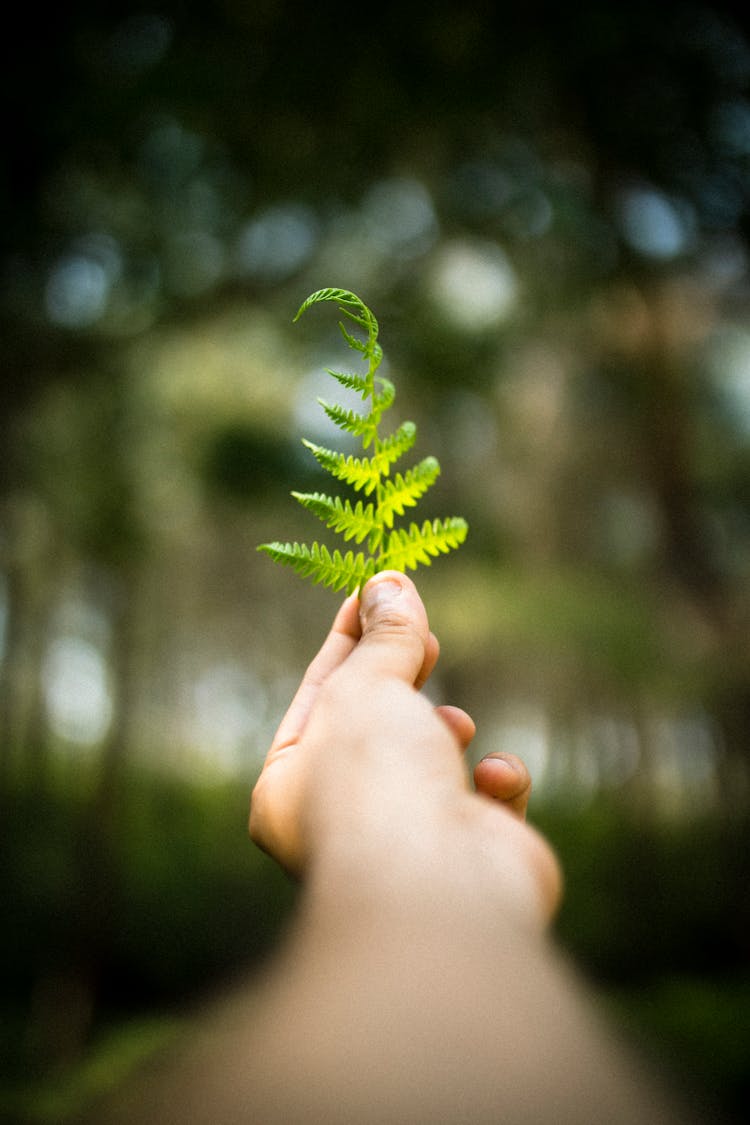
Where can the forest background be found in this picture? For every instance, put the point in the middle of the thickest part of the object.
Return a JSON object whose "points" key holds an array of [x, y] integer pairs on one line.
{"points": [[548, 209]]}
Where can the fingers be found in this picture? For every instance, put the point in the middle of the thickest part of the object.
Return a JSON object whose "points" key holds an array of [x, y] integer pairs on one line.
{"points": [[432, 652], [396, 640], [504, 777], [392, 618], [460, 723], [340, 642]]}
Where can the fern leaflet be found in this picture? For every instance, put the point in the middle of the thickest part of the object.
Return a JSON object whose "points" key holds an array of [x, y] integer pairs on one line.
{"points": [[403, 491], [350, 380], [355, 523], [407, 549], [361, 425], [338, 571], [359, 472]]}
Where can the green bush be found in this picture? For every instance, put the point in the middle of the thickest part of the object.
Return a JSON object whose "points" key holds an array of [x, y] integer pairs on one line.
{"points": [[148, 912]]}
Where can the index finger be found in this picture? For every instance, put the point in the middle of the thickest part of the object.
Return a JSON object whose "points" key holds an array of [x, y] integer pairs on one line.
{"points": [[341, 640]]}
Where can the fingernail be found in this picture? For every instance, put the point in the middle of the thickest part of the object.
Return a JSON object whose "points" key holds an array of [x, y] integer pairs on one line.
{"points": [[501, 761], [378, 596]]}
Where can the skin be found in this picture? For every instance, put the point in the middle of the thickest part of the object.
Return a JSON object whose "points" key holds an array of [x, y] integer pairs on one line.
{"points": [[417, 983], [426, 910], [394, 655]]}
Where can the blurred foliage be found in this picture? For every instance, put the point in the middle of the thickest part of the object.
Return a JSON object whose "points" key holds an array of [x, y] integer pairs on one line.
{"points": [[184, 902], [548, 207], [187, 896], [244, 465], [656, 916], [676, 1017]]}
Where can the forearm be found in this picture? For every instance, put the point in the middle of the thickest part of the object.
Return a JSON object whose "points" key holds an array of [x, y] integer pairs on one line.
{"points": [[406, 1000], [425, 1011]]}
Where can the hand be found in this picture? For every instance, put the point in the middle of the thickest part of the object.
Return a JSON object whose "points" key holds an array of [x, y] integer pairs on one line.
{"points": [[415, 984], [362, 756]]}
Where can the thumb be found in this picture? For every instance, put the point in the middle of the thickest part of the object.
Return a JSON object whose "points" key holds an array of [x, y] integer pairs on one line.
{"points": [[395, 630]]}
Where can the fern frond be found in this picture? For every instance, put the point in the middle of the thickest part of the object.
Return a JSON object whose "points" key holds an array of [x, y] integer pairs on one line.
{"points": [[351, 381], [365, 321], [358, 345], [396, 445], [407, 549], [355, 523], [361, 425], [382, 400], [400, 492], [345, 299], [316, 562], [362, 316], [365, 472], [362, 473], [387, 547]]}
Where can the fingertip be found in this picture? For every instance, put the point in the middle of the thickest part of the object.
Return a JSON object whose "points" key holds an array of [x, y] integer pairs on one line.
{"points": [[461, 724], [505, 778], [391, 600], [431, 655], [385, 591], [395, 630]]}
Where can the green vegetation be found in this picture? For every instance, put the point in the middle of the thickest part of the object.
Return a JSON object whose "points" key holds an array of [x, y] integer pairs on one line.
{"points": [[113, 1058], [183, 902], [389, 547]]}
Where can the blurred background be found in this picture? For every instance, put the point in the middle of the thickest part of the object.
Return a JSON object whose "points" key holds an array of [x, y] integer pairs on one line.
{"points": [[548, 209]]}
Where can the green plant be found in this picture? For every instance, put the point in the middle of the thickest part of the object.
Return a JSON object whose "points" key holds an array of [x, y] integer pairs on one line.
{"points": [[388, 547]]}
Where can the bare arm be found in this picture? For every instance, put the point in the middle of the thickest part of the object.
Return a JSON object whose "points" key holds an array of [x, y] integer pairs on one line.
{"points": [[418, 983]]}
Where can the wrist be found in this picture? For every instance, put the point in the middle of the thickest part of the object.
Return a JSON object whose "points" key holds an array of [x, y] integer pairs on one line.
{"points": [[444, 874]]}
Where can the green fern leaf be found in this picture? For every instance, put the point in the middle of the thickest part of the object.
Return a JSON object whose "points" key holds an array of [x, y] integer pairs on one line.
{"points": [[394, 447], [363, 317], [361, 425], [387, 546], [404, 491], [316, 562], [346, 302], [351, 381], [407, 549], [356, 522], [382, 400], [360, 472], [352, 341]]}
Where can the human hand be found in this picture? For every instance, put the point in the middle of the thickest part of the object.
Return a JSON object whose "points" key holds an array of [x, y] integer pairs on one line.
{"points": [[416, 984], [362, 756]]}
